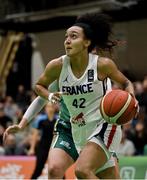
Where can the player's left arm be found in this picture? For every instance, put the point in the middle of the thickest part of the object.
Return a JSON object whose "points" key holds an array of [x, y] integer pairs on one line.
{"points": [[109, 69]]}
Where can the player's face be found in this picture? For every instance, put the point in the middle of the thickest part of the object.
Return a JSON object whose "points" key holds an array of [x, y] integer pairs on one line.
{"points": [[74, 42]]}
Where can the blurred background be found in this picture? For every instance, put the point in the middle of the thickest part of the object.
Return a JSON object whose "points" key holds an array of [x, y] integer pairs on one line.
{"points": [[32, 33]]}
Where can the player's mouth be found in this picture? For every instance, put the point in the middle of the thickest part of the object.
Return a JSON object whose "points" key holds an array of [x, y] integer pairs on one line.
{"points": [[68, 48]]}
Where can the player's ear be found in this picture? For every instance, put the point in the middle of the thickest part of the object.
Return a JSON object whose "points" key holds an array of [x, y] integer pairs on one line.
{"points": [[87, 43]]}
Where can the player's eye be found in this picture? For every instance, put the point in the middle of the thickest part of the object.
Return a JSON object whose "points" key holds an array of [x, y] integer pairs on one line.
{"points": [[74, 36]]}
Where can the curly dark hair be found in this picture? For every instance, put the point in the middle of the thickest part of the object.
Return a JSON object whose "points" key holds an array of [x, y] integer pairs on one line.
{"points": [[101, 25]]}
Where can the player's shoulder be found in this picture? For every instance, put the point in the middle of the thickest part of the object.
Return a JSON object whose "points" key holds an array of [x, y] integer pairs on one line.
{"points": [[57, 62], [55, 65], [104, 66], [105, 62]]}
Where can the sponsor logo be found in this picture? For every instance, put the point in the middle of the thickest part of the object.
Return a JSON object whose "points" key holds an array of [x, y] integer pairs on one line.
{"points": [[65, 144], [79, 120]]}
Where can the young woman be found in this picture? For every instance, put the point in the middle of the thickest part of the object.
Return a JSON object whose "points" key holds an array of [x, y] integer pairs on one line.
{"points": [[81, 79]]}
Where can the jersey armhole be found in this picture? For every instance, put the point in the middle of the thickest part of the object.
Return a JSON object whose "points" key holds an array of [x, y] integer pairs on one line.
{"points": [[63, 59]]}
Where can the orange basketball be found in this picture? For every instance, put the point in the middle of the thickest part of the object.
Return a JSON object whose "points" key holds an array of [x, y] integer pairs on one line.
{"points": [[118, 107]]}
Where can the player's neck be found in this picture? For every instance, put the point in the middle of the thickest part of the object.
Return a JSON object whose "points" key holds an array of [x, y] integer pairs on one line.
{"points": [[80, 61]]}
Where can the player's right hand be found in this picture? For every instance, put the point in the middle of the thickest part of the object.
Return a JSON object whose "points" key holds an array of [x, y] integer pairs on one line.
{"points": [[11, 130]]}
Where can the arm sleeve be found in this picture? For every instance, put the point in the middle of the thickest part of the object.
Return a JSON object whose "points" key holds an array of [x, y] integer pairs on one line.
{"points": [[35, 108], [39, 103]]}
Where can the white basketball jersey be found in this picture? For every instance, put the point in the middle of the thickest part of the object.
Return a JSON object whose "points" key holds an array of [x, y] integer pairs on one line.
{"points": [[84, 100]]}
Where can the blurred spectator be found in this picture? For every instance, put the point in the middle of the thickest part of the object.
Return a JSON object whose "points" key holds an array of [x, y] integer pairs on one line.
{"points": [[138, 87], [10, 108], [1, 94], [5, 121], [24, 139], [22, 98], [43, 127], [126, 147], [144, 95], [145, 150], [2, 150], [129, 130], [142, 117], [19, 115], [139, 137], [12, 148], [2, 129], [135, 131], [32, 95]]}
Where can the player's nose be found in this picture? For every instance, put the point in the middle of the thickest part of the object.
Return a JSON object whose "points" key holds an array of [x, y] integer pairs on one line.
{"points": [[68, 40]]}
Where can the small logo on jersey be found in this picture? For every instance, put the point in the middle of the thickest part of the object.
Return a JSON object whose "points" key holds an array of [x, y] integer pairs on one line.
{"points": [[66, 79], [90, 75], [66, 144], [79, 120]]}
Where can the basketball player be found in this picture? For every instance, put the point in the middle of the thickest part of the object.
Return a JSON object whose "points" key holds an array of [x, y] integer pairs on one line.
{"points": [[64, 156], [82, 76]]}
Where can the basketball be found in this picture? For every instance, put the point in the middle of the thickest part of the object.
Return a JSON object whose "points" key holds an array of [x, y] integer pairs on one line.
{"points": [[118, 107]]}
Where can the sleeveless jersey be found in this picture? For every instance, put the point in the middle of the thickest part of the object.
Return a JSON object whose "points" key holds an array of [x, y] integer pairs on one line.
{"points": [[84, 99]]}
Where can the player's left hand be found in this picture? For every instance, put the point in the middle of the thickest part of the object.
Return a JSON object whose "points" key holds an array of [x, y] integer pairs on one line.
{"points": [[55, 97]]}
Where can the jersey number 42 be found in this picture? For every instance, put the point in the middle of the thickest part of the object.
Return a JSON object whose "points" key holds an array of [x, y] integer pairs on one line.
{"points": [[79, 103]]}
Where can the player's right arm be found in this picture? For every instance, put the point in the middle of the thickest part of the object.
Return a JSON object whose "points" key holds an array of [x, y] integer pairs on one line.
{"points": [[50, 74]]}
